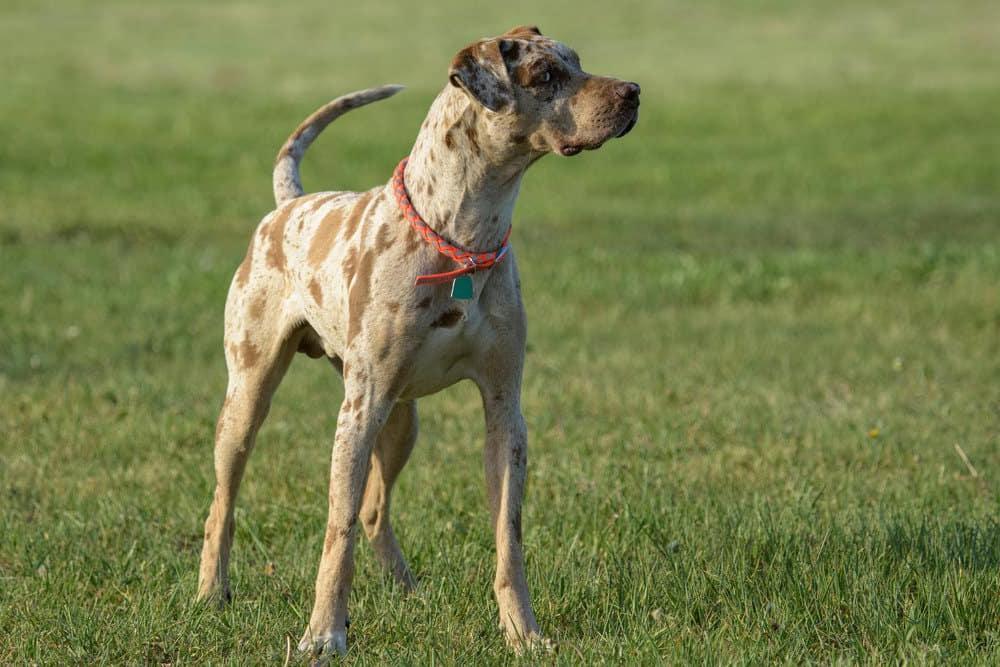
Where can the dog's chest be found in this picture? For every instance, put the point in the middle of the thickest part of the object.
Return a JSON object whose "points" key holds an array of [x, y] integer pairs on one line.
{"points": [[448, 350]]}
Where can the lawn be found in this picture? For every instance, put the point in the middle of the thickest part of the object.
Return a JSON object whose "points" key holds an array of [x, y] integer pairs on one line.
{"points": [[763, 373]]}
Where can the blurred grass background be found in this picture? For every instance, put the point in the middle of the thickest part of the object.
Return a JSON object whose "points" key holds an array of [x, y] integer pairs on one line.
{"points": [[759, 326]]}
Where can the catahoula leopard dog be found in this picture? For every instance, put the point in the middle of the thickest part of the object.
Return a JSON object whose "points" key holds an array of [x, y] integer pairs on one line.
{"points": [[406, 288]]}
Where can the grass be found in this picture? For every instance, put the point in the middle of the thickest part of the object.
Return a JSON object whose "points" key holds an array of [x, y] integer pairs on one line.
{"points": [[759, 326]]}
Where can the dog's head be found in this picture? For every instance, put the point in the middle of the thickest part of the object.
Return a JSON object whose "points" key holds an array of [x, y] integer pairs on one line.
{"points": [[535, 95]]}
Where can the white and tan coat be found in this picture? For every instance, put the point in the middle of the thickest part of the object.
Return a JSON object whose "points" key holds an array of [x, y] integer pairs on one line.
{"points": [[332, 275]]}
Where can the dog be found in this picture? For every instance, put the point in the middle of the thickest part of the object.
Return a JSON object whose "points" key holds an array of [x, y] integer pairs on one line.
{"points": [[406, 288]]}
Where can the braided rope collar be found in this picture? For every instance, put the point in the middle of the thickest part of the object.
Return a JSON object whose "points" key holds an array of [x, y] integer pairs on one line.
{"points": [[470, 261]]}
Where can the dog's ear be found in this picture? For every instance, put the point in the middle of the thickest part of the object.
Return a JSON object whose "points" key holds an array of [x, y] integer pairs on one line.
{"points": [[479, 70], [523, 31]]}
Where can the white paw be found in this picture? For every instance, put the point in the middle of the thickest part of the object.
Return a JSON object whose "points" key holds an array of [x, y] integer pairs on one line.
{"points": [[326, 644]]}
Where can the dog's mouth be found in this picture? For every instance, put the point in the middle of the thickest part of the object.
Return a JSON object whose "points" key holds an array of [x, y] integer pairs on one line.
{"points": [[573, 150], [568, 150], [628, 126]]}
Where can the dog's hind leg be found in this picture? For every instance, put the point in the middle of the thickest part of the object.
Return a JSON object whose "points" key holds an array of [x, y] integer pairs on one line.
{"points": [[259, 347], [392, 450]]}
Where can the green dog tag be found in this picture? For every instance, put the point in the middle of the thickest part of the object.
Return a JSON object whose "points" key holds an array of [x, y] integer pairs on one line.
{"points": [[461, 287]]}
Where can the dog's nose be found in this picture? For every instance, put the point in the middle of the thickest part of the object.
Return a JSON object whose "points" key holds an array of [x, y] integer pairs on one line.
{"points": [[628, 90]]}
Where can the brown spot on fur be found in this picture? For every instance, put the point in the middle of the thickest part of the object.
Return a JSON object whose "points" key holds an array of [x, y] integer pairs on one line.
{"points": [[357, 300], [386, 337], [350, 264], [244, 271], [384, 239], [322, 240], [257, 307], [522, 76], [334, 531], [447, 319], [470, 132], [318, 202], [316, 291], [276, 239], [249, 354], [355, 217], [210, 523], [425, 302], [430, 189], [392, 306], [412, 242], [448, 141]]}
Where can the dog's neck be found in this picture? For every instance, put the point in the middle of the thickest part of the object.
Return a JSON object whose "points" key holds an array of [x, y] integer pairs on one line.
{"points": [[461, 183]]}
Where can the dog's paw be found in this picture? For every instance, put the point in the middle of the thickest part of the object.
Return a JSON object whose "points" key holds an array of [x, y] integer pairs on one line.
{"points": [[326, 644], [532, 643], [214, 595], [535, 644]]}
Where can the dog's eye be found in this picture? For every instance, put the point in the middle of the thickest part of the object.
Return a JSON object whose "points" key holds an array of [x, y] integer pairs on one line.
{"points": [[541, 78]]}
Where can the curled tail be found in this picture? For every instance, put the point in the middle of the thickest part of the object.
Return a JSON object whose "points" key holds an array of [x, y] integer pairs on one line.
{"points": [[287, 184]]}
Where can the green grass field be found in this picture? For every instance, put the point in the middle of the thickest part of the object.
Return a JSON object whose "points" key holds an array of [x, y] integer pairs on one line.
{"points": [[759, 327]]}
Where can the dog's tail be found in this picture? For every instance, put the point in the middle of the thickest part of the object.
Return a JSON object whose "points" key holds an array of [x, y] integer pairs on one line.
{"points": [[287, 184]]}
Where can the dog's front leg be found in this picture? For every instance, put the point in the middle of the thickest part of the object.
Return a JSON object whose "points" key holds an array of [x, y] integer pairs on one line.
{"points": [[358, 425], [506, 460]]}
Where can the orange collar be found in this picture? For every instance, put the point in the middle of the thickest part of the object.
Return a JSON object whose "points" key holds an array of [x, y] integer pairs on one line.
{"points": [[470, 261]]}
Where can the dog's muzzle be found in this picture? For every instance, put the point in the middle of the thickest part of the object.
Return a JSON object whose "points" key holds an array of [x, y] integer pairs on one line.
{"points": [[629, 91]]}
